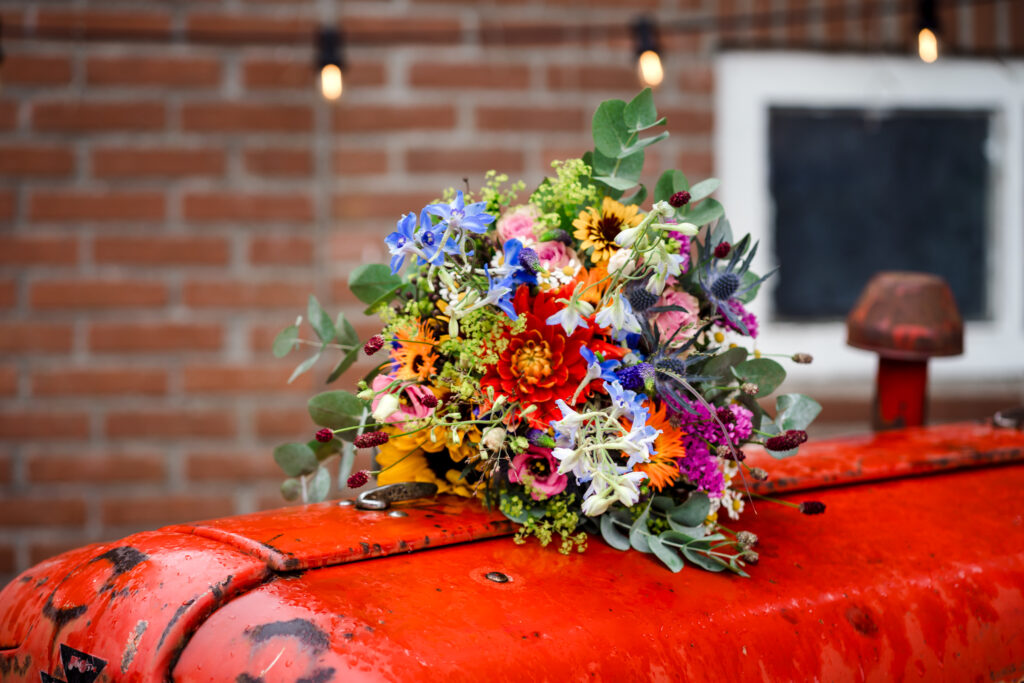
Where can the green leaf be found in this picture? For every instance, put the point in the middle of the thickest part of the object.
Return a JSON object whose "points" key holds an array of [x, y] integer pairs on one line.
{"points": [[370, 281], [320, 321], [637, 197], [610, 531], [523, 517], [616, 183], [703, 561], [667, 554], [344, 364], [609, 129], [722, 232], [324, 450], [638, 533], [764, 372], [795, 411], [749, 278], [291, 489], [346, 333], [285, 340], [295, 459], [693, 512], [319, 485], [677, 537], [705, 212], [704, 189], [663, 504], [337, 410], [640, 113], [305, 365], [642, 144], [720, 365], [383, 300], [668, 184]]}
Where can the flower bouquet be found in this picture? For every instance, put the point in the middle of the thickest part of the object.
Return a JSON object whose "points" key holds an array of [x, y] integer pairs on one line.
{"points": [[579, 359]]}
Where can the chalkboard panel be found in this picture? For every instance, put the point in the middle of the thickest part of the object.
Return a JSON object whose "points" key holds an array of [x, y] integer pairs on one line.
{"points": [[858, 191]]}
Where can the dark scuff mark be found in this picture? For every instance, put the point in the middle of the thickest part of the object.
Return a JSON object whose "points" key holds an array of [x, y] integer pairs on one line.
{"points": [[348, 636], [123, 558], [377, 549], [272, 539], [302, 630], [132, 646], [365, 547], [402, 544], [182, 608], [426, 540], [218, 588], [25, 579], [42, 580], [318, 676], [292, 563], [61, 616], [861, 620], [11, 665], [246, 678]]}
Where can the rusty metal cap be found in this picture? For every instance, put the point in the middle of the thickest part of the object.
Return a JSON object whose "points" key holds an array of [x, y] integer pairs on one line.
{"points": [[906, 316]]}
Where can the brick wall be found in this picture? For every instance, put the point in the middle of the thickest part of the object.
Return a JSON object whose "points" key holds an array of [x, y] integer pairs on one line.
{"points": [[170, 194]]}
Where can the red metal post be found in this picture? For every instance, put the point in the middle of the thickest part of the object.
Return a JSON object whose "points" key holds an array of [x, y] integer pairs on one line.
{"points": [[901, 394]]}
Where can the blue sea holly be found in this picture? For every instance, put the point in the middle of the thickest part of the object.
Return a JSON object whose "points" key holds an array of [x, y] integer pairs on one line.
{"points": [[725, 284]]}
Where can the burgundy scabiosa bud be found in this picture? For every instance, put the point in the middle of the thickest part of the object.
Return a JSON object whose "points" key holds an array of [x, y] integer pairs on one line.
{"points": [[429, 400], [786, 442], [371, 439], [812, 507], [679, 199], [373, 345], [726, 453], [358, 479], [722, 250], [324, 435]]}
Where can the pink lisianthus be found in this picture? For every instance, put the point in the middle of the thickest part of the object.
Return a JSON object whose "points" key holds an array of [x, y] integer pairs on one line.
{"points": [[410, 398], [553, 255], [669, 321], [539, 468], [519, 224]]}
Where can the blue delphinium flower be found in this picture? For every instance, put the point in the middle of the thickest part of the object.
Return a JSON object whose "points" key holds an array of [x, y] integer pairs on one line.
{"points": [[626, 402], [512, 267], [499, 293], [598, 369], [457, 217], [402, 242]]}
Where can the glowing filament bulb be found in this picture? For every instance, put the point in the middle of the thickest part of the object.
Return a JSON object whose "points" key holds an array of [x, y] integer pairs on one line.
{"points": [[649, 68], [927, 46], [331, 81]]}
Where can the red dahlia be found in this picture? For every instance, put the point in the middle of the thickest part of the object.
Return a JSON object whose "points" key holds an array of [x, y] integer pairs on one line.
{"points": [[541, 364]]}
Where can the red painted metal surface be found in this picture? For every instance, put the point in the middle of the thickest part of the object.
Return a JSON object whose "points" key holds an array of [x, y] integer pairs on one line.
{"points": [[916, 578]]}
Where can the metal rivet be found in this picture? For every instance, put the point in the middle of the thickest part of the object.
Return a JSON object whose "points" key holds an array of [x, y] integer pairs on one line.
{"points": [[346, 503], [497, 577], [398, 513]]}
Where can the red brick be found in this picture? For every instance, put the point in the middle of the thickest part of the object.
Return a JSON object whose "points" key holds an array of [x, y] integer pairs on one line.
{"points": [[124, 162], [82, 293], [833, 19], [21, 69], [419, 29], [99, 382], [260, 294], [169, 423], [231, 28], [425, 160], [188, 72], [293, 251], [985, 20], [295, 425], [72, 116], [8, 115], [1016, 27], [104, 468], [23, 250], [698, 79], [208, 251], [366, 161], [609, 77], [368, 118], [6, 205], [6, 468], [530, 118], [34, 337], [36, 512], [48, 425], [279, 161], [73, 206], [155, 337], [463, 75], [379, 204], [104, 24], [245, 466], [35, 160], [692, 121], [7, 563], [243, 379], [152, 511], [211, 207], [246, 117], [696, 165], [8, 380], [8, 293], [297, 74]]}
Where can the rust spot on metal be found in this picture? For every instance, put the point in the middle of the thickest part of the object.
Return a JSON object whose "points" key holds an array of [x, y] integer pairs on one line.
{"points": [[303, 630], [12, 665], [861, 620], [132, 646], [365, 547]]}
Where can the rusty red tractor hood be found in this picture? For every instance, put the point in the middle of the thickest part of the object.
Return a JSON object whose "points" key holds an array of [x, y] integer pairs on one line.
{"points": [[906, 577]]}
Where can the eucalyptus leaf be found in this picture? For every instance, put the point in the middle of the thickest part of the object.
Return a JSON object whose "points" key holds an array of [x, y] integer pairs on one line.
{"points": [[383, 300], [324, 450], [668, 184], [344, 364], [295, 459], [704, 189], [609, 128], [643, 143], [370, 281], [285, 340], [616, 183], [694, 511], [348, 458], [720, 365], [319, 485], [722, 232], [693, 533], [638, 533], [291, 489], [640, 113], [750, 280], [610, 531], [764, 372], [705, 212], [637, 197], [346, 333], [663, 504], [703, 561], [320, 321], [337, 410], [668, 555], [305, 365], [795, 411]]}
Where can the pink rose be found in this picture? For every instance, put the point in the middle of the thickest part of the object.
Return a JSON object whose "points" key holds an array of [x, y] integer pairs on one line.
{"points": [[410, 397], [670, 321], [537, 466], [518, 224], [553, 255]]}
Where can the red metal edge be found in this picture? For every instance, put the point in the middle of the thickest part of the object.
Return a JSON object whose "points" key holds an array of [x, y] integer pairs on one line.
{"points": [[888, 455], [304, 537]]}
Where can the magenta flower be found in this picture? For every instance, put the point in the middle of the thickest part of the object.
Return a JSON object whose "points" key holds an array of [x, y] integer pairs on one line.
{"points": [[539, 468], [411, 409]]}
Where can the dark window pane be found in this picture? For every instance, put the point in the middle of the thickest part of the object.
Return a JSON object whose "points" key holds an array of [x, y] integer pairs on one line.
{"points": [[856, 192]]}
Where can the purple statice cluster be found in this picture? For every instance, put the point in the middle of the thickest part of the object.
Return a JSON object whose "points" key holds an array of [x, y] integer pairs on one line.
{"points": [[704, 436], [748, 318]]}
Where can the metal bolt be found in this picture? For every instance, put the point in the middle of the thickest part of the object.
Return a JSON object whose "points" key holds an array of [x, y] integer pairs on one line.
{"points": [[346, 503], [398, 513], [497, 577]]}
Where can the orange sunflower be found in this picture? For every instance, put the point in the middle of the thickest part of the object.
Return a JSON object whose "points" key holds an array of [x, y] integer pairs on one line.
{"points": [[663, 469], [597, 231], [414, 355]]}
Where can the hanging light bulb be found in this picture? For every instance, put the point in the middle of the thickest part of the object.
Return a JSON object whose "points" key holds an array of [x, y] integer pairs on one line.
{"points": [[330, 62], [648, 63], [927, 30]]}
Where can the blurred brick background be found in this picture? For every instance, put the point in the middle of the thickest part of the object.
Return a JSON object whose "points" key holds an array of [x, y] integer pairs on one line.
{"points": [[170, 193]]}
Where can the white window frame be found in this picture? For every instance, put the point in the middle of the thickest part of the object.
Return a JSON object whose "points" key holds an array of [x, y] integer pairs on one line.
{"points": [[748, 84]]}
